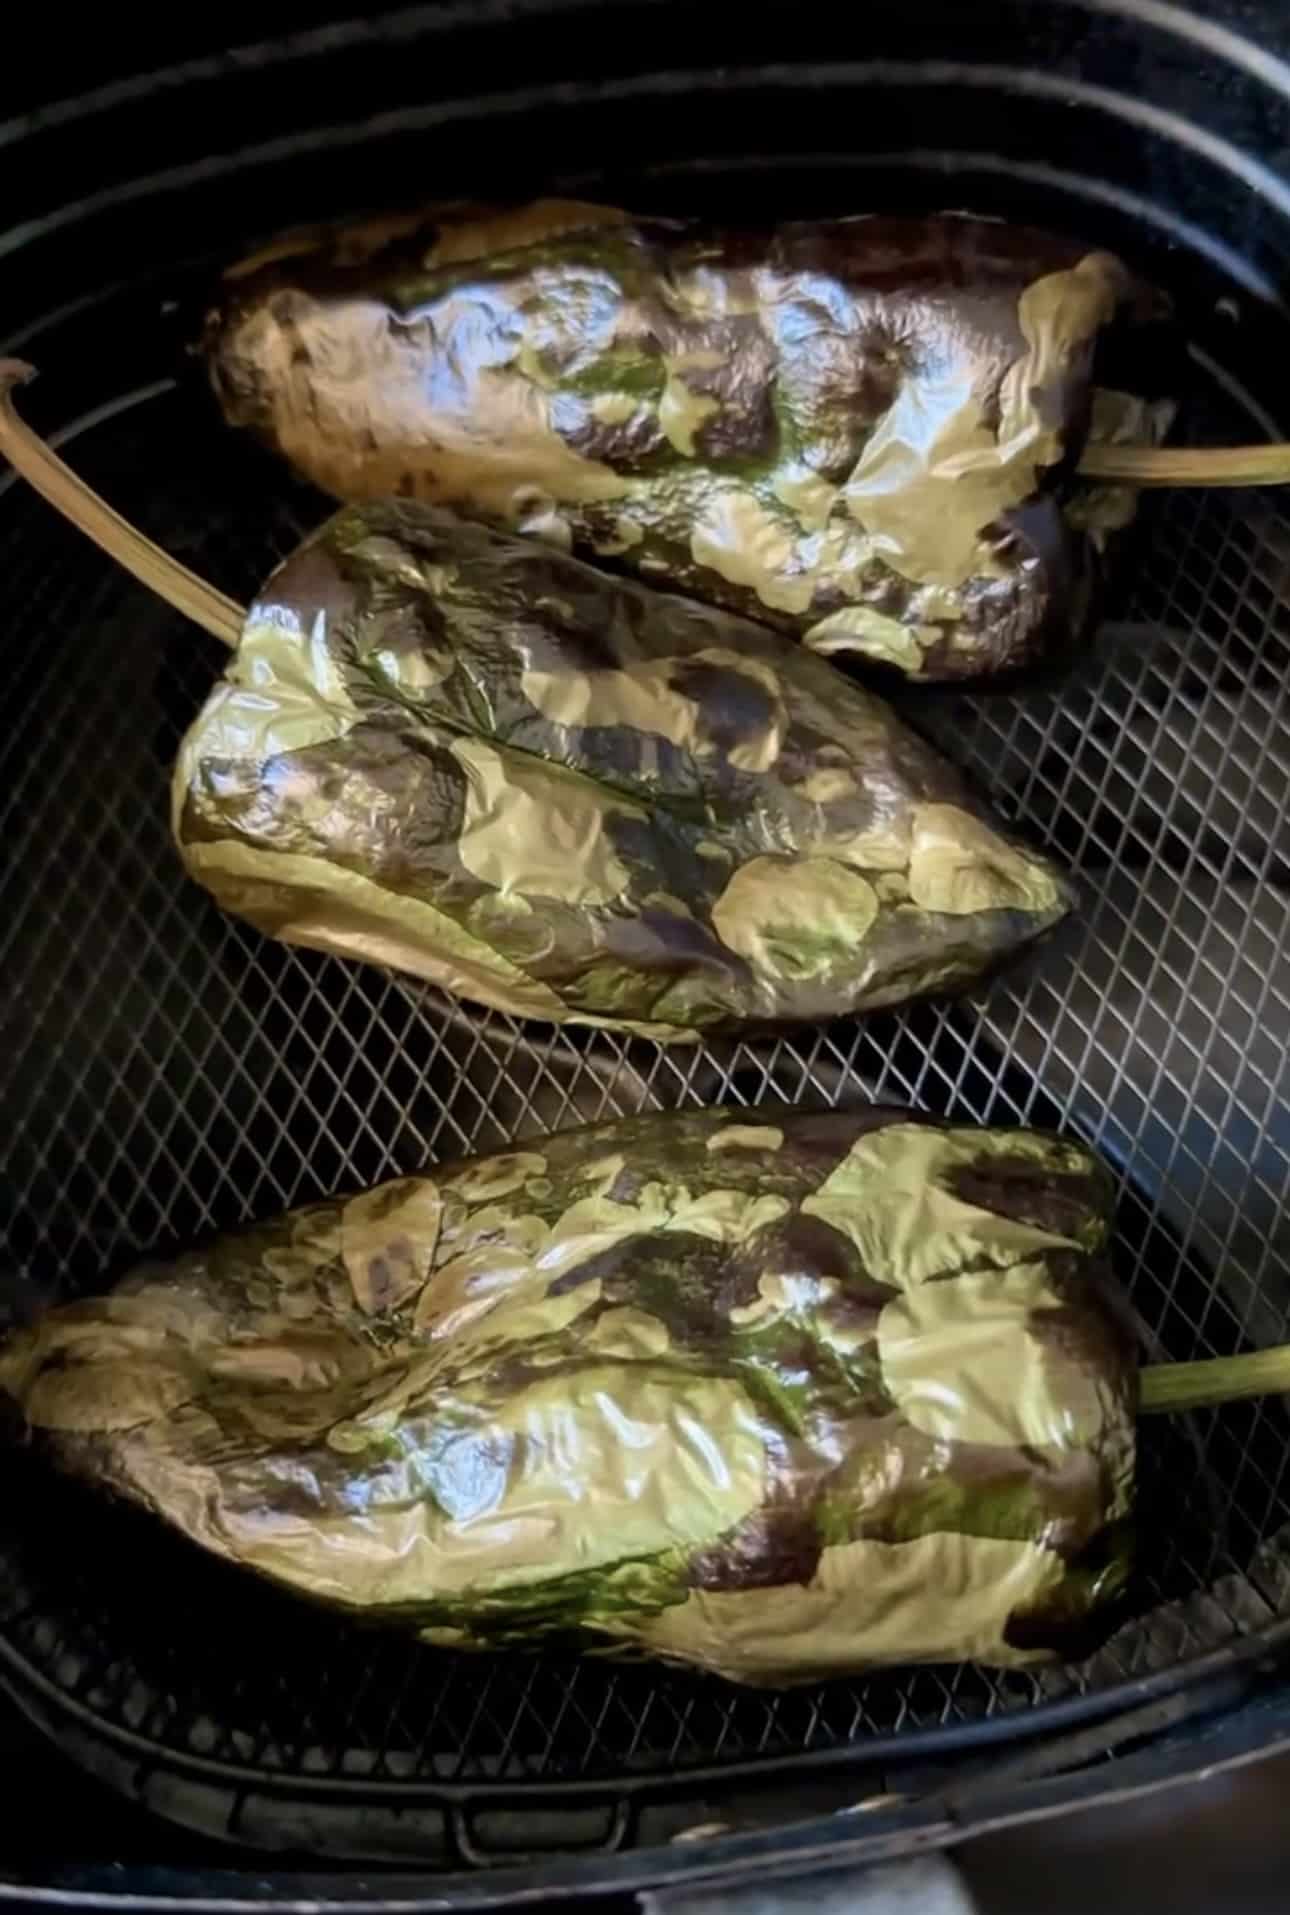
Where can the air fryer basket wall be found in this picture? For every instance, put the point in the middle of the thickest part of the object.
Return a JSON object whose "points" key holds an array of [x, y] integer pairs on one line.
{"points": [[166, 1072]]}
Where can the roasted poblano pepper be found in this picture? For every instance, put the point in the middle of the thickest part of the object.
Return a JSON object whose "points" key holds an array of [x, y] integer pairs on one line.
{"points": [[861, 431], [780, 1394], [568, 796]]}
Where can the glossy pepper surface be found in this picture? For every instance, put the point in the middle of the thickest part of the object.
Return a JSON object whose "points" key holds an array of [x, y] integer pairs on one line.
{"points": [[565, 795], [860, 431], [780, 1394]]}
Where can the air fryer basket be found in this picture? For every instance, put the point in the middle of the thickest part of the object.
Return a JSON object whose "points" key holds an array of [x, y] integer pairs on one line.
{"points": [[165, 1072]]}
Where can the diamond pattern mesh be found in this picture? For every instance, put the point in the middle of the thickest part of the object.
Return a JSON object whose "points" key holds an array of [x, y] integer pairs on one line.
{"points": [[166, 1072]]}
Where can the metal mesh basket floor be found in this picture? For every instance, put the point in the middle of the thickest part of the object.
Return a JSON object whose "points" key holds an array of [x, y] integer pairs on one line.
{"points": [[165, 1072]]}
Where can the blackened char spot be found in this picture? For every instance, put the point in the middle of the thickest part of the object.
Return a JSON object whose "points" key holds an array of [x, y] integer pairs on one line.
{"points": [[668, 942], [1058, 1201], [659, 856], [675, 1277], [767, 1549], [626, 445], [1077, 1616], [743, 426], [798, 1246], [1038, 600], [604, 1265], [816, 1142], [735, 707], [319, 588], [1084, 1333], [563, 619]]}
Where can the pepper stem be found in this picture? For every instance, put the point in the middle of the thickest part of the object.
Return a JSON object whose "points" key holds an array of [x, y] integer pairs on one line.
{"points": [[45, 471], [1195, 1386], [1187, 465]]}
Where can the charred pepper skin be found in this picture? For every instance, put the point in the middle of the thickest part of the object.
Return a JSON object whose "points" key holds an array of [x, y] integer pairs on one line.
{"points": [[860, 431], [777, 1394], [568, 796]]}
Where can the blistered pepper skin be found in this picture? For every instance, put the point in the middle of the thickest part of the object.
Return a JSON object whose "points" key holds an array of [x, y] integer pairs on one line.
{"points": [[859, 431], [777, 1394], [569, 796]]}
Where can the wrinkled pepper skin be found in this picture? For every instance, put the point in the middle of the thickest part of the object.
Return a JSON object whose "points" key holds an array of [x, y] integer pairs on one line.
{"points": [[859, 431], [780, 1394], [567, 796]]}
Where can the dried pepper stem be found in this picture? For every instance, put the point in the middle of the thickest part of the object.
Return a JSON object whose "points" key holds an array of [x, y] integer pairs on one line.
{"points": [[56, 482], [1187, 465]]}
